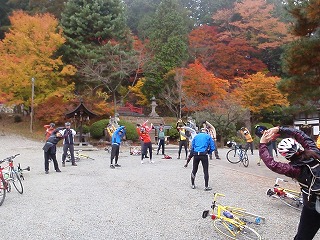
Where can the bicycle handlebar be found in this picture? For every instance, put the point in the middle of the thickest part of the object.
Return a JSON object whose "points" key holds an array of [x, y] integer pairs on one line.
{"points": [[216, 195], [8, 159]]}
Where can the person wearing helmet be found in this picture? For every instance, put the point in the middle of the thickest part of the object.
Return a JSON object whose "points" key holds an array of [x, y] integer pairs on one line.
{"points": [[304, 166], [202, 145], [49, 130], [50, 149], [68, 143]]}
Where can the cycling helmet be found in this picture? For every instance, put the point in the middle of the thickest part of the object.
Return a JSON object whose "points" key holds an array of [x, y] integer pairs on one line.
{"points": [[289, 147], [259, 130]]}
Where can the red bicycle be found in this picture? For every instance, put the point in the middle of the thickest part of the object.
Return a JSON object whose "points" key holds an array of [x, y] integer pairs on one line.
{"points": [[9, 175]]}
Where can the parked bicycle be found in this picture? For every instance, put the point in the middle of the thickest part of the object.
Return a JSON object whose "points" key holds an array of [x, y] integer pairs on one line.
{"points": [[237, 154], [233, 222], [11, 175], [291, 198]]}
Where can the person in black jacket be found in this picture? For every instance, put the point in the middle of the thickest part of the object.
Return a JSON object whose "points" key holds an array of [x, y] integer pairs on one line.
{"points": [[50, 150], [303, 165]]}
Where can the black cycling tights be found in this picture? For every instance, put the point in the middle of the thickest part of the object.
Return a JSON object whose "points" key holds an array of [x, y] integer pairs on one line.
{"points": [[309, 224], [205, 165]]}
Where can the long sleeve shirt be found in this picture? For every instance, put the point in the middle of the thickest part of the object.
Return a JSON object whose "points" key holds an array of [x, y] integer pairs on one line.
{"points": [[202, 143], [116, 137]]}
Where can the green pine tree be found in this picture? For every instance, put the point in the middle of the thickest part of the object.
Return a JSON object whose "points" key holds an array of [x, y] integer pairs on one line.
{"points": [[302, 56]]}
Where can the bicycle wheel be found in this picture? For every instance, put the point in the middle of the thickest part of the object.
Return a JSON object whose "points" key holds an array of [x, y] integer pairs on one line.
{"points": [[3, 191], [233, 156], [293, 203], [233, 232], [245, 159], [16, 181]]}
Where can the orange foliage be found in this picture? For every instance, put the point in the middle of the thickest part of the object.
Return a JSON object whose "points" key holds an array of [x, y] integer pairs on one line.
{"points": [[223, 55], [201, 88], [258, 92], [255, 24], [26, 52]]}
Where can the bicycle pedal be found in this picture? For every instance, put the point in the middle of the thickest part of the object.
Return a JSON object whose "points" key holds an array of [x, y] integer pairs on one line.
{"points": [[205, 214]]}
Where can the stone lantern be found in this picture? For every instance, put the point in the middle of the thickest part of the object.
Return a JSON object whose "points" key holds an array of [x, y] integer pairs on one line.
{"points": [[153, 108]]}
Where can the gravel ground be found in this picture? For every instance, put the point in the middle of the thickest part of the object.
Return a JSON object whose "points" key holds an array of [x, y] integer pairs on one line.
{"points": [[149, 201]]}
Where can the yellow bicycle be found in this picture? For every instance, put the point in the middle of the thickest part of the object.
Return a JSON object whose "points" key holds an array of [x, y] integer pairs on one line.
{"points": [[232, 222], [78, 155]]}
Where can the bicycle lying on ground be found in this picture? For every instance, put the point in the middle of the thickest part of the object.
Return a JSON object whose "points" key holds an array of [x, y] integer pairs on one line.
{"points": [[289, 197], [77, 156], [237, 154], [233, 222]]}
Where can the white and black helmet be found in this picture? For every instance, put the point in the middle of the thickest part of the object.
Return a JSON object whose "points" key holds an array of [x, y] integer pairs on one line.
{"points": [[288, 147]]}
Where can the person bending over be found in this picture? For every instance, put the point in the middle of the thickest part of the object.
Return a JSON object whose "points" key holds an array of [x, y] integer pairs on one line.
{"points": [[304, 166]]}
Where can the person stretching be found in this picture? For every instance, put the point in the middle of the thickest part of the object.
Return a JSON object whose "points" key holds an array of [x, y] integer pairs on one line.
{"points": [[116, 142]]}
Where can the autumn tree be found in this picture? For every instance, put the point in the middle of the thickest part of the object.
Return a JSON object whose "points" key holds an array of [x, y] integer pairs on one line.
{"points": [[171, 91], [225, 116], [28, 51], [202, 88], [259, 92], [254, 21], [301, 58], [226, 57]]}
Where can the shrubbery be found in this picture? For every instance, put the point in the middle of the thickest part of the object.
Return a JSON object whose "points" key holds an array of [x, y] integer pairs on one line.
{"points": [[131, 132], [97, 129]]}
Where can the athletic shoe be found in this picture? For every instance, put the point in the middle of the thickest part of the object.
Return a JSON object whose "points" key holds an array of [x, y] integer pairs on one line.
{"points": [[117, 165], [74, 164], [218, 158], [58, 170], [207, 188], [193, 186], [151, 161], [112, 166], [142, 162], [47, 172]]}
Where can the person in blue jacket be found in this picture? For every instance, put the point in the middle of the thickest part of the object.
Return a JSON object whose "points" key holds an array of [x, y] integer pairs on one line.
{"points": [[116, 142], [202, 145]]}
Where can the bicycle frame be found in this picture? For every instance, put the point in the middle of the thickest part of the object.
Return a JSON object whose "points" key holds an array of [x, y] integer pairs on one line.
{"points": [[290, 197]]}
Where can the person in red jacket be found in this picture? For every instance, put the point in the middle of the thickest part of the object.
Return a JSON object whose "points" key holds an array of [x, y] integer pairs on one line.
{"points": [[49, 130], [143, 132]]}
